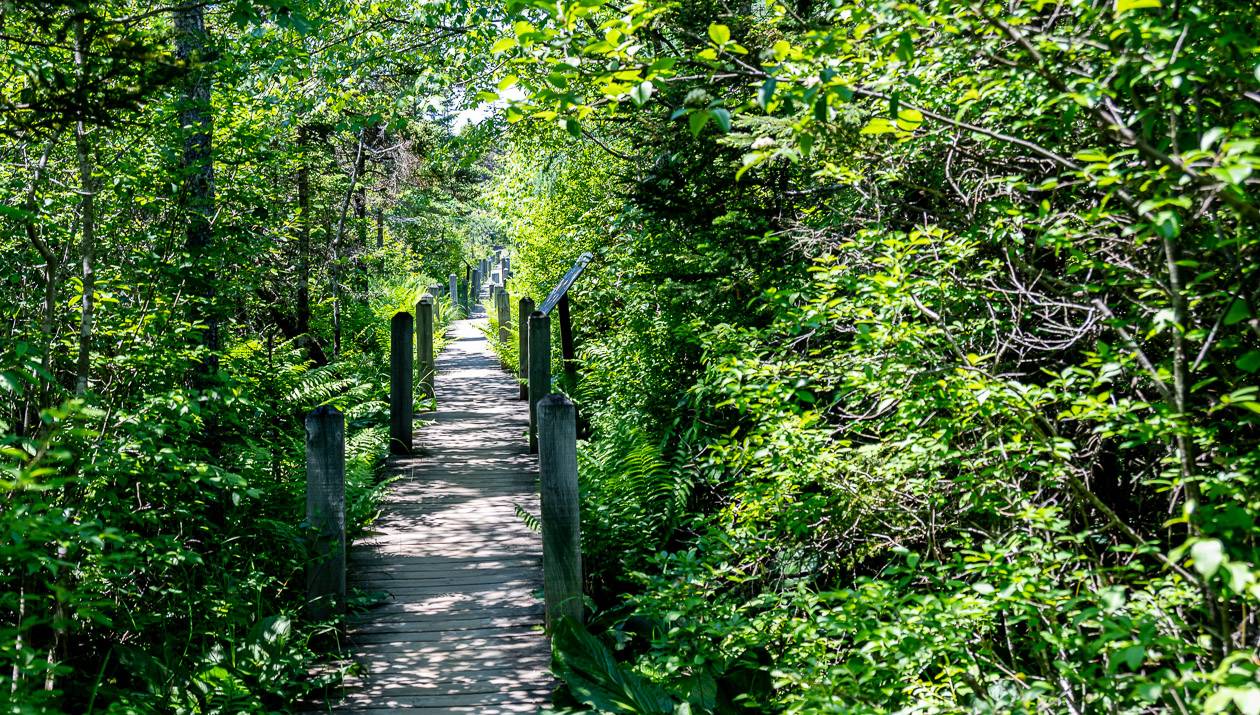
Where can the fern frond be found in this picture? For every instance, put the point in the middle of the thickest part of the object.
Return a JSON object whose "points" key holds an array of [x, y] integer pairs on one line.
{"points": [[530, 521]]}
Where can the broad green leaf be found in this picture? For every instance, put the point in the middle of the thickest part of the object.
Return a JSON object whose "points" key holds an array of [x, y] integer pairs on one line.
{"points": [[1208, 556], [720, 34], [1249, 362], [1238, 312], [879, 125], [641, 93], [697, 120], [723, 119]]}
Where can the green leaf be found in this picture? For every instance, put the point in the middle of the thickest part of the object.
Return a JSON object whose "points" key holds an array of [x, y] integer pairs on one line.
{"points": [[1208, 556], [879, 125], [595, 678], [642, 92], [1123, 6], [1249, 362], [766, 93], [502, 45], [1247, 699], [720, 34], [909, 119], [905, 47], [697, 120], [1238, 312], [723, 118]]}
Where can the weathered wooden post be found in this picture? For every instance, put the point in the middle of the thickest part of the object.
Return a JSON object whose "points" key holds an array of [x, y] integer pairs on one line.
{"points": [[474, 294], [454, 288], [504, 315], [524, 307], [400, 395], [539, 370], [424, 343], [326, 510], [561, 525]]}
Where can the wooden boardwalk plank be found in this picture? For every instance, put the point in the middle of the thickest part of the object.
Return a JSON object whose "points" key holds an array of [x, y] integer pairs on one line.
{"points": [[460, 629]]}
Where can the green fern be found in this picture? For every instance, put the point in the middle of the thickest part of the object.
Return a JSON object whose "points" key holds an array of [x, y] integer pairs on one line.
{"points": [[530, 521], [319, 387], [644, 492]]}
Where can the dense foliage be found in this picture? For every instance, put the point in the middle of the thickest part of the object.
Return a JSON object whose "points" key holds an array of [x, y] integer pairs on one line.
{"points": [[187, 275], [919, 352], [921, 348]]}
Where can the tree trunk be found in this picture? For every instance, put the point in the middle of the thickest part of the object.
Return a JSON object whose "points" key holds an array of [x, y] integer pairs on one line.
{"points": [[198, 169], [303, 326], [336, 247], [52, 269], [87, 206]]}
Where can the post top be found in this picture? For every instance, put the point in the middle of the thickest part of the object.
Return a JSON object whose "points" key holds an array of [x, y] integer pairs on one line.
{"points": [[324, 411], [401, 315], [537, 314], [426, 298], [555, 399]]}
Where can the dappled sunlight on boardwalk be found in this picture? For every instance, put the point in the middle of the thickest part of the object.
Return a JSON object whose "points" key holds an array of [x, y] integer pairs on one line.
{"points": [[460, 627]]}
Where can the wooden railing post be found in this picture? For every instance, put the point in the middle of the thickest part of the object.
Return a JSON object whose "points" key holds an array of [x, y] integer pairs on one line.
{"points": [[474, 293], [561, 524], [424, 343], [453, 288], [504, 315], [539, 370], [400, 394], [326, 510], [524, 307]]}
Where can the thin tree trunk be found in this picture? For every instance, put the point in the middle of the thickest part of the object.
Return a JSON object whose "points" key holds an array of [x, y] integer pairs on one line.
{"points": [[304, 234], [198, 167], [52, 267], [336, 247], [360, 196], [87, 190]]}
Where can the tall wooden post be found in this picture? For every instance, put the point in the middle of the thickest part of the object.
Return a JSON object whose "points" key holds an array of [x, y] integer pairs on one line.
{"points": [[504, 315], [400, 394], [524, 307], [453, 288], [474, 293], [424, 343], [561, 524], [568, 352], [326, 510], [539, 370]]}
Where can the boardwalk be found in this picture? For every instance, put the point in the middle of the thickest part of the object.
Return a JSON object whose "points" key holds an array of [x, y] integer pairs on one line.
{"points": [[461, 631]]}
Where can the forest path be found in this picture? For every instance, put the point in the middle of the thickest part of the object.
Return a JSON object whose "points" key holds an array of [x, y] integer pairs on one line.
{"points": [[462, 629]]}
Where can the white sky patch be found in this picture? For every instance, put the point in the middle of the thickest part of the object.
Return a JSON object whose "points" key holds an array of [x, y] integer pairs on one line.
{"points": [[482, 111]]}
